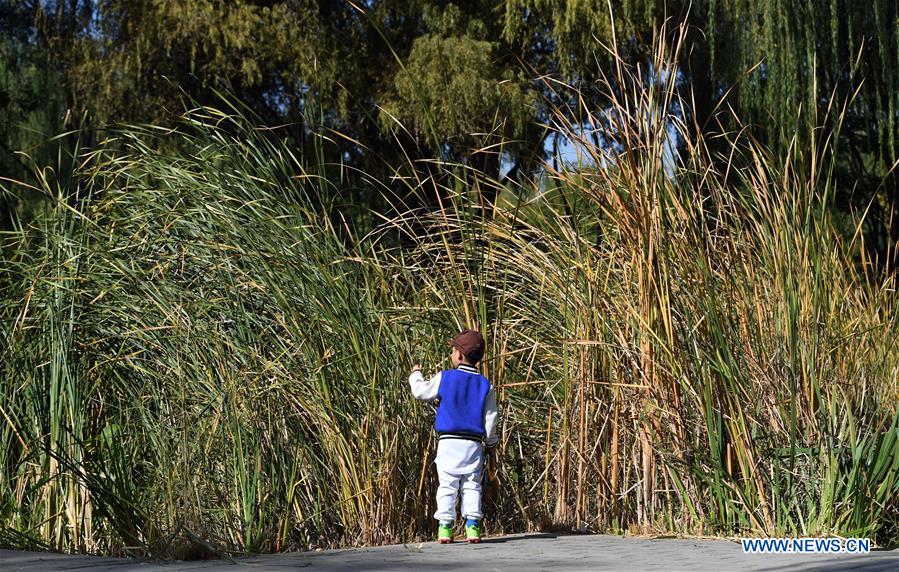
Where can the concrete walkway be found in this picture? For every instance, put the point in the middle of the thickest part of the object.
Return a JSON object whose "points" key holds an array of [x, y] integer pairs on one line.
{"points": [[515, 553]]}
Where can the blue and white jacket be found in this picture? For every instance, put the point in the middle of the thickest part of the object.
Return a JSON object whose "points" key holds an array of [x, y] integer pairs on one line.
{"points": [[467, 407]]}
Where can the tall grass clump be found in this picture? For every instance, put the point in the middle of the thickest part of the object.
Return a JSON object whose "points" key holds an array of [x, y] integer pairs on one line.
{"points": [[198, 360], [682, 341], [193, 362]]}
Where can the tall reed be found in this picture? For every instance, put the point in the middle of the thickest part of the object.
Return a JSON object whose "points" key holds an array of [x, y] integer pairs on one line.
{"points": [[197, 359]]}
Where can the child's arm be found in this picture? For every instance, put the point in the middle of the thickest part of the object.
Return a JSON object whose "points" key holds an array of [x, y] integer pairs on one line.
{"points": [[491, 417], [425, 390]]}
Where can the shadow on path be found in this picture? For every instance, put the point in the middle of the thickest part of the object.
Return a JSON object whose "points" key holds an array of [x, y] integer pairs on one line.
{"points": [[532, 536]]}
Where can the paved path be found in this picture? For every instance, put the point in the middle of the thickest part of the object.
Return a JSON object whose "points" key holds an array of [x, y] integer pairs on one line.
{"points": [[516, 553]]}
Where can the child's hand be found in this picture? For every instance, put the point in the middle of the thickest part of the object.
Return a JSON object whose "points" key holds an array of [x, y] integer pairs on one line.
{"points": [[416, 367]]}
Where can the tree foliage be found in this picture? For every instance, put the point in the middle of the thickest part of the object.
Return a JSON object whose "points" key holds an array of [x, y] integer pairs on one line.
{"points": [[31, 104], [457, 87], [413, 79], [791, 66]]}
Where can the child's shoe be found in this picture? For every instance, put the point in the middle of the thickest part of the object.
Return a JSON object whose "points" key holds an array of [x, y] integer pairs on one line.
{"points": [[473, 531], [445, 534]]}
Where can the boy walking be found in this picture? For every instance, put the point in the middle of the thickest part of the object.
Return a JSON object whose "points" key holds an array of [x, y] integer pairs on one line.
{"points": [[466, 422]]}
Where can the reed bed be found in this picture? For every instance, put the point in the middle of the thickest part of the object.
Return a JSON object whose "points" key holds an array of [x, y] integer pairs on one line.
{"points": [[197, 360]]}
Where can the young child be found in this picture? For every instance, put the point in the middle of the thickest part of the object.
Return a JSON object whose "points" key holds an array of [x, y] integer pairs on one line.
{"points": [[466, 421]]}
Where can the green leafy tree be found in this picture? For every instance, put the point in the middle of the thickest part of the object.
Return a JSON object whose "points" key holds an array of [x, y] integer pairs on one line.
{"points": [[31, 107], [786, 68], [461, 79], [461, 90], [792, 65]]}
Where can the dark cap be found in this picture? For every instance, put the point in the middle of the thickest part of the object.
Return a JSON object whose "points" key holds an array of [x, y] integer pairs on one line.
{"points": [[470, 343]]}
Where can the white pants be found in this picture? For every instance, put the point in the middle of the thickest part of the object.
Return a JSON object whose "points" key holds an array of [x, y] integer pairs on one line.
{"points": [[449, 490]]}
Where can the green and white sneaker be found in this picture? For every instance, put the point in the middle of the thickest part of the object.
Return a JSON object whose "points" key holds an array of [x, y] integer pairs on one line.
{"points": [[445, 534], [473, 533]]}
